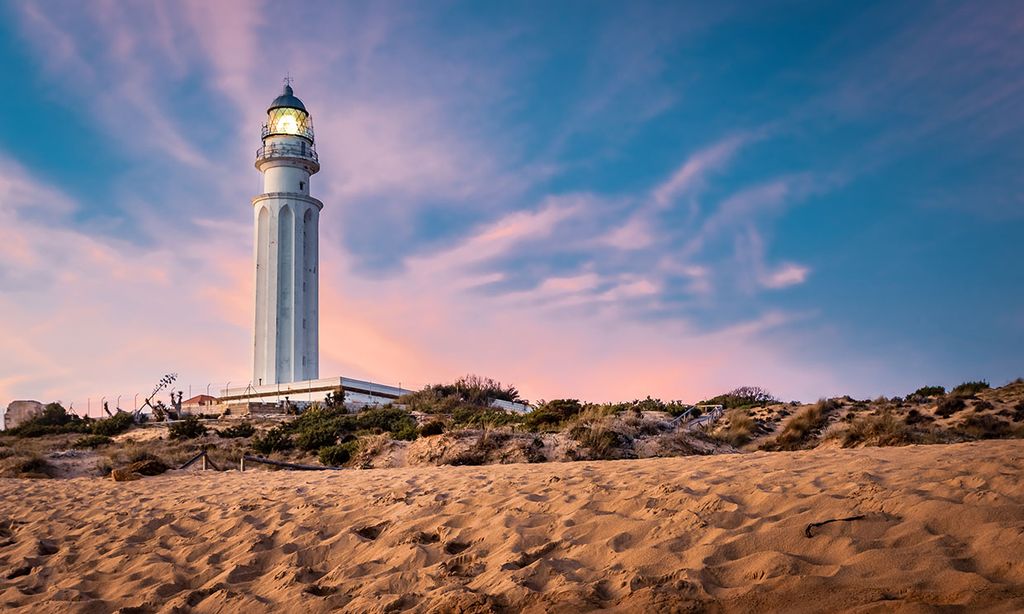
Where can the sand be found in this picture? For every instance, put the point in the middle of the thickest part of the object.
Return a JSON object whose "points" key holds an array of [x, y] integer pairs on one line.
{"points": [[939, 528]]}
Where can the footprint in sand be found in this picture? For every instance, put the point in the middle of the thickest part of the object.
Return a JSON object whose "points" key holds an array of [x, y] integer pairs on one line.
{"points": [[454, 547], [371, 532]]}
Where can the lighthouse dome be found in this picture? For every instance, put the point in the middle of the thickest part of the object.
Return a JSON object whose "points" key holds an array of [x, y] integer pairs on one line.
{"points": [[287, 100]]}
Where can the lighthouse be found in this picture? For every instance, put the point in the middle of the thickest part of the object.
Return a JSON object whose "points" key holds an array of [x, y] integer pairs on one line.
{"points": [[286, 221]]}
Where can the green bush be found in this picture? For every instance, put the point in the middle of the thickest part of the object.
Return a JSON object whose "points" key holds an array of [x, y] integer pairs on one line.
{"points": [[471, 390], [474, 416], [114, 425], [745, 396], [338, 455], [322, 426], [929, 391], [406, 432], [385, 418], [53, 420], [969, 389], [189, 428], [274, 440], [551, 414], [237, 430], [316, 437], [92, 441]]}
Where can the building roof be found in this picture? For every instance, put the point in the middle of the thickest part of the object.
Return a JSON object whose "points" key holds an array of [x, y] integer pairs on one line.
{"points": [[200, 399], [287, 100]]}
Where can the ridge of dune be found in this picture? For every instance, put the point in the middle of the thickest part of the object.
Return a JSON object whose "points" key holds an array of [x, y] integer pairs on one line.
{"points": [[938, 527]]}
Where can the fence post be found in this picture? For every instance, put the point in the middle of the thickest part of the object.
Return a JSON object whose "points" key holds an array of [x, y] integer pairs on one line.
{"points": [[204, 461], [241, 464]]}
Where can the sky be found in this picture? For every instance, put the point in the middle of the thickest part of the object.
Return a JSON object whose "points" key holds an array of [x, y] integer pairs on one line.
{"points": [[595, 200]]}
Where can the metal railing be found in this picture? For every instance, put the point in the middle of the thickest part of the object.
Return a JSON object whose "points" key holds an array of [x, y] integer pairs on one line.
{"points": [[280, 150], [305, 131]]}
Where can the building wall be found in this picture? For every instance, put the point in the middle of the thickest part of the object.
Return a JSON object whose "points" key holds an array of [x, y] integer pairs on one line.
{"points": [[286, 327]]}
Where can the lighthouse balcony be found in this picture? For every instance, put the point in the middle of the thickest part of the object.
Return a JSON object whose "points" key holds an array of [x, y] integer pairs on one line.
{"points": [[301, 151]]}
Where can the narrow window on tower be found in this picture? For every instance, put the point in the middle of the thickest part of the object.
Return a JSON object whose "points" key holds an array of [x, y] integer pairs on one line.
{"points": [[302, 186]]}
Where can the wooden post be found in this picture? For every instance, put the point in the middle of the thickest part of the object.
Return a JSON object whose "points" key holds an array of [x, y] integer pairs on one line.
{"points": [[204, 461], [241, 464]]}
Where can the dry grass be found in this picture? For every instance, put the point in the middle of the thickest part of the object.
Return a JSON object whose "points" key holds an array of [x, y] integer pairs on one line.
{"points": [[884, 429], [797, 432], [740, 429], [32, 466], [602, 441]]}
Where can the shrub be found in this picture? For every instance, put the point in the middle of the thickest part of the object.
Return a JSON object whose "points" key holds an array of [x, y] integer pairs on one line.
{"points": [[552, 414], [478, 390], [91, 442], [802, 425], [950, 406], [406, 432], [434, 427], [929, 391], [987, 426], [53, 420], [982, 405], [471, 415], [602, 442], [471, 390], [740, 430], [478, 453], [1018, 412], [882, 430], [274, 440], [338, 455], [114, 425], [387, 418], [745, 396], [916, 417], [969, 389], [34, 466], [236, 431], [189, 428], [315, 438]]}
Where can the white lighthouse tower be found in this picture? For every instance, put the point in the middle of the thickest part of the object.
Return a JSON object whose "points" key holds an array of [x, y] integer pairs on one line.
{"points": [[286, 344]]}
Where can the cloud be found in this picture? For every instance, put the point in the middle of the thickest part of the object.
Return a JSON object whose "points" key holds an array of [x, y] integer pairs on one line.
{"points": [[788, 274], [88, 314], [692, 174], [403, 128], [750, 253]]}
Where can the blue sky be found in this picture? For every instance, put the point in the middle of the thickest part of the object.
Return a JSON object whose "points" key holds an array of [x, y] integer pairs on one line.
{"points": [[600, 200]]}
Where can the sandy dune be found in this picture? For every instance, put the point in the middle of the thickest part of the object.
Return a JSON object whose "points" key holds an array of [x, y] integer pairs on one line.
{"points": [[942, 528]]}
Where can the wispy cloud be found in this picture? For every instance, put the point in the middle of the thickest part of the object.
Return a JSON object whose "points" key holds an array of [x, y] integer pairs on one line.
{"points": [[694, 172]]}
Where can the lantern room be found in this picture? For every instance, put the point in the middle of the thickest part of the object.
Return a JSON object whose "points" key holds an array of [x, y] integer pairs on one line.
{"points": [[287, 116]]}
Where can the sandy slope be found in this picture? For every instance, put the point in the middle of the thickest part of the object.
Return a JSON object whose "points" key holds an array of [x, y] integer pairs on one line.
{"points": [[943, 528]]}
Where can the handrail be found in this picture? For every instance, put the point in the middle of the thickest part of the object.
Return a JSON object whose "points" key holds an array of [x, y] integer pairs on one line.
{"points": [[275, 150]]}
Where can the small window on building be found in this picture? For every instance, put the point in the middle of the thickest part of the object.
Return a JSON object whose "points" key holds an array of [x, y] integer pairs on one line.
{"points": [[302, 185]]}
